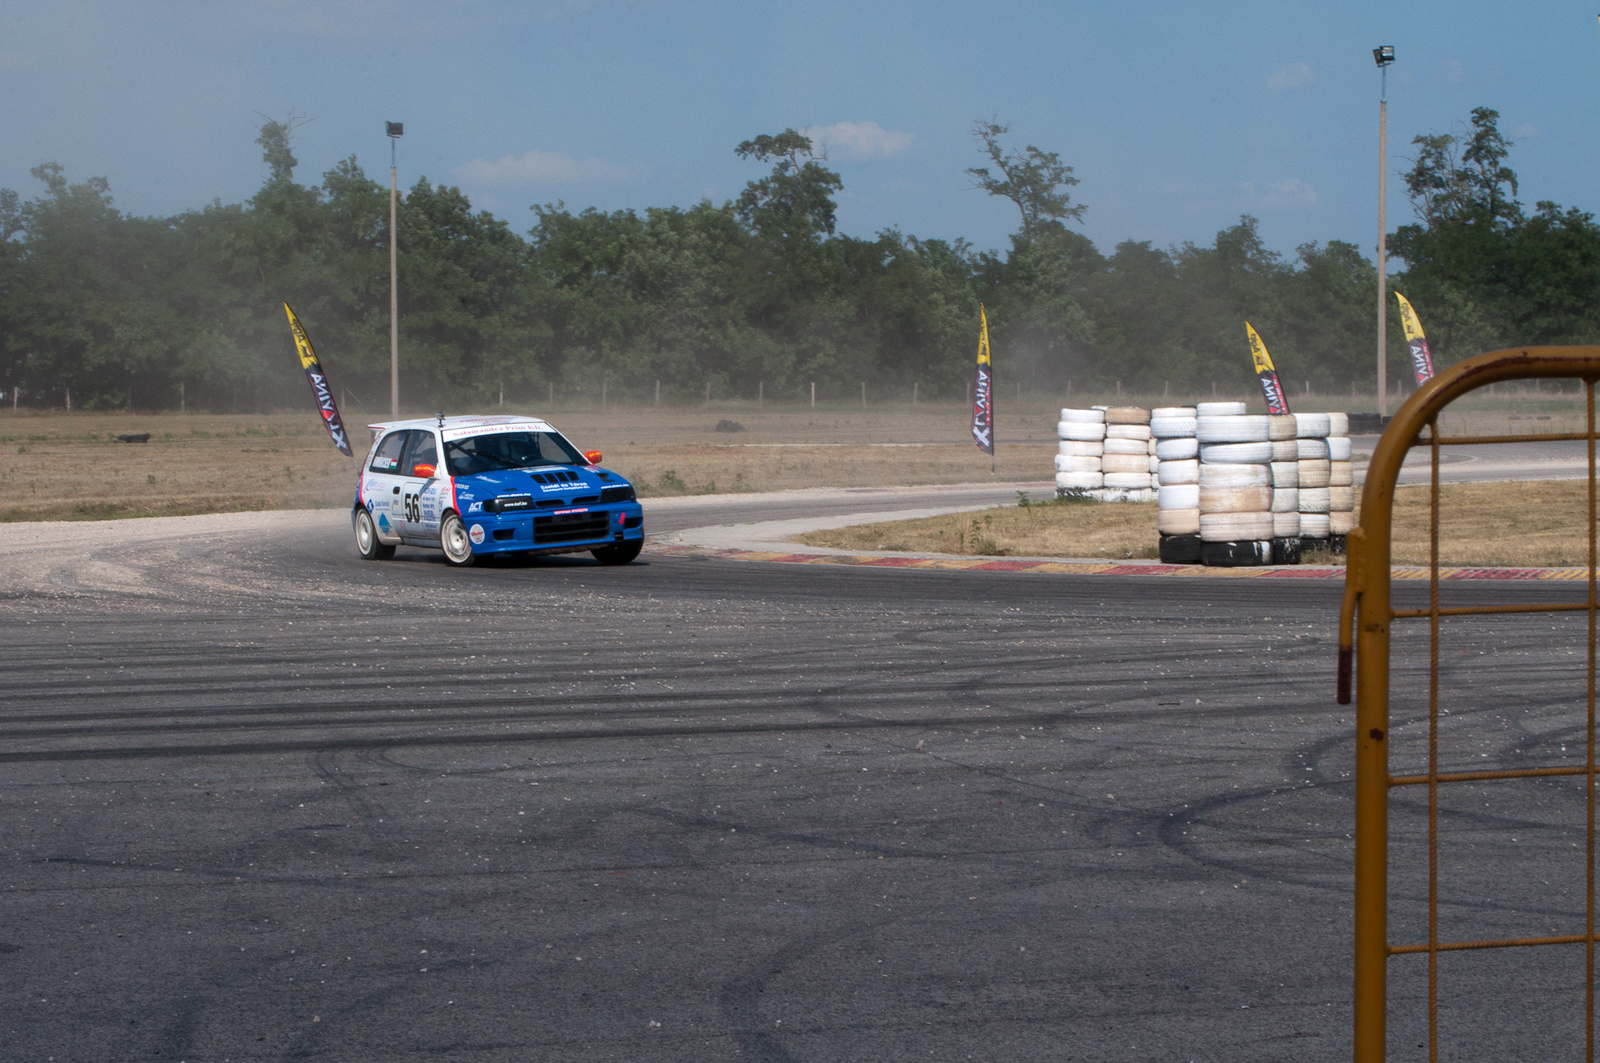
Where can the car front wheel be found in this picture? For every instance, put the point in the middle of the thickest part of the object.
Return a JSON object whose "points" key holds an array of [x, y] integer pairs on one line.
{"points": [[618, 553], [453, 537], [367, 539]]}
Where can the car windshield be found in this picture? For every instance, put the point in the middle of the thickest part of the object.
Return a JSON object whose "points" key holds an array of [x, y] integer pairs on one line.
{"points": [[508, 450]]}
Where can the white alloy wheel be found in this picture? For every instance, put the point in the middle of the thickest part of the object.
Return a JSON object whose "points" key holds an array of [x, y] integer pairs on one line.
{"points": [[453, 539], [367, 543]]}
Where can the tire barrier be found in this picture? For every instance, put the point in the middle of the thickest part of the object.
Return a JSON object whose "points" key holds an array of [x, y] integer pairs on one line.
{"points": [[1121, 465], [1081, 451], [1231, 487]]}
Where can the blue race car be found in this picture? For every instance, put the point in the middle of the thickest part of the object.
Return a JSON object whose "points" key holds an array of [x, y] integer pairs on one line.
{"points": [[474, 486]]}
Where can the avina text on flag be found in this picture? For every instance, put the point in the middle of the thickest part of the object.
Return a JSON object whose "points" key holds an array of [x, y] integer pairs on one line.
{"points": [[1271, 387], [319, 383], [983, 391], [1421, 360]]}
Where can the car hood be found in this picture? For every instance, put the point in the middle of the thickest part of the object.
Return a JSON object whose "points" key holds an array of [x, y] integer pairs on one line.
{"points": [[558, 483]]}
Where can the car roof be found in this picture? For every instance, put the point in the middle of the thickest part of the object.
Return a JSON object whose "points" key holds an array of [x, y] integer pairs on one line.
{"points": [[468, 421]]}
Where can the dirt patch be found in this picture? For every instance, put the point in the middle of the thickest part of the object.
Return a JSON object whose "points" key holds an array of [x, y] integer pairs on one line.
{"points": [[1497, 524], [1078, 529]]}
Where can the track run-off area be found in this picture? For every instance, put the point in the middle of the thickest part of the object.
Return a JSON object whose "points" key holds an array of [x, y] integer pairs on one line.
{"points": [[264, 800]]}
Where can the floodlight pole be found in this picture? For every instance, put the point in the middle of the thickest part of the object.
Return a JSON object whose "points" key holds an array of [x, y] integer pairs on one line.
{"points": [[1383, 56], [395, 130]]}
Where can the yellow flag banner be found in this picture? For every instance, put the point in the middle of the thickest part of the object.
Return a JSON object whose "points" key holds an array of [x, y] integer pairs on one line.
{"points": [[983, 390], [1271, 387], [1421, 359], [319, 383]]}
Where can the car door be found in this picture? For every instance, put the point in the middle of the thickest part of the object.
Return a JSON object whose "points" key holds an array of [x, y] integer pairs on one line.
{"points": [[380, 485], [422, 486]]}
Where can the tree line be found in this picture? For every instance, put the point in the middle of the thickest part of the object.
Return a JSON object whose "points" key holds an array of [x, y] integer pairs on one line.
{"points": [[757, 292]]}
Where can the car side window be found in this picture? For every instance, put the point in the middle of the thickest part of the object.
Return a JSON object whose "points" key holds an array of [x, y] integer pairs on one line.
{"points": [[387, 457], [424, 451]]}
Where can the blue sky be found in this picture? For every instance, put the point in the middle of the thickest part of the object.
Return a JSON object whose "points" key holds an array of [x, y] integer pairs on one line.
{"points": [[1177, 117]]}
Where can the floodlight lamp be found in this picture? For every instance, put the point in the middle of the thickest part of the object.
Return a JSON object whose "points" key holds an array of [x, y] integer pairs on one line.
{"points": [[1383, 55], [395, 129]]}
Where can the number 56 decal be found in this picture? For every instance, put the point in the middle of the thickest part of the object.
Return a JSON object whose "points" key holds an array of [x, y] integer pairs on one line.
{"points": [[414, 508]]}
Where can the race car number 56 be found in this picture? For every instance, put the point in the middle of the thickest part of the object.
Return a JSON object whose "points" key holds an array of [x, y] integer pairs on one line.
{"points": [[414, 508]]}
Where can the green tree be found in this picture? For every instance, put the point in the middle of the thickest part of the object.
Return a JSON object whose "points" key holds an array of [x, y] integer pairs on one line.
{"points": [[1036, 181]]}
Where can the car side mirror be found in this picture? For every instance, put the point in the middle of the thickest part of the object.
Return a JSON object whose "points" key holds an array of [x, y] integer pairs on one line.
{"points": [[422, 469], [592, 457]]}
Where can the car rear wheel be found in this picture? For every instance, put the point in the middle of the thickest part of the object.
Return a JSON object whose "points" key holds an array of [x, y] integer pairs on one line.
{"points": [[367, 539], [618, 553], [453, 537]]}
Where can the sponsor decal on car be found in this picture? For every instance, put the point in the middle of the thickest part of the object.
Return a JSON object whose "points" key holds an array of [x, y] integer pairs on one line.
{"points": [[559, 512], [476, 534], [463, 431], [383, 521], [476, 507]]}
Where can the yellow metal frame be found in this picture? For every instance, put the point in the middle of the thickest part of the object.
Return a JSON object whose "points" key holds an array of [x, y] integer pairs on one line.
{"points": [[1367, 612]]}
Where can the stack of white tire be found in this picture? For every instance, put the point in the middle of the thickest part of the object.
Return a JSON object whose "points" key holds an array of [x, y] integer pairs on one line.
{"points": [[1128, 461], [1080, 451], [1315, 470], [1177, 455], [1341, 477], [1235, 481], [1282, 432]]}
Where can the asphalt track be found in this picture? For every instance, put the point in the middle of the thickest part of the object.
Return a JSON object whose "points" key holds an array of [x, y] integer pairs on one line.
{"points": [[263, 800]]}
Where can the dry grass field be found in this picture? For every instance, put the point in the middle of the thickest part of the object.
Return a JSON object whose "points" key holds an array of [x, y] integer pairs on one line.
{"points": [[1496, 524], [61, 466]]}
